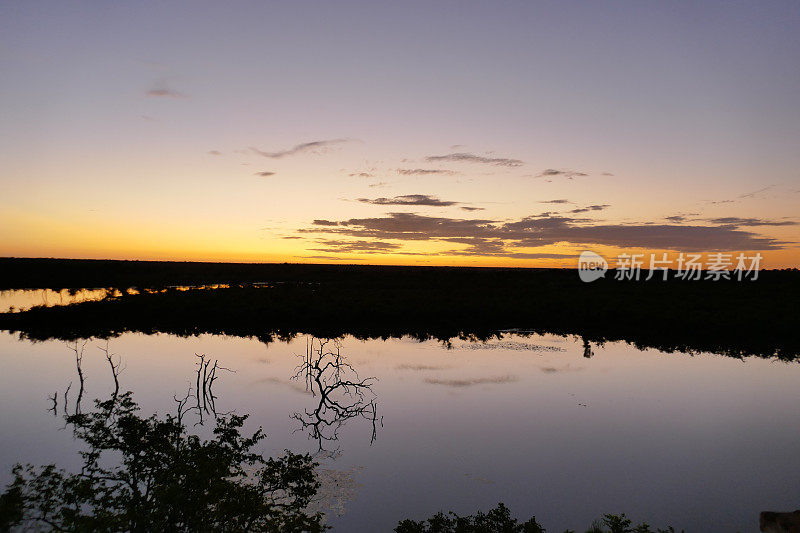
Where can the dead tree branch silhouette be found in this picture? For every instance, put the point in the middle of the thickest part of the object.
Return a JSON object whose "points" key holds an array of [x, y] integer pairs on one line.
{"points": [[205, 399], [341, 394], [78, 362]]}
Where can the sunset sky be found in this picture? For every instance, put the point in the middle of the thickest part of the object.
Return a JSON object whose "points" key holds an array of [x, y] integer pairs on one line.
{"points": [[437, 133]]}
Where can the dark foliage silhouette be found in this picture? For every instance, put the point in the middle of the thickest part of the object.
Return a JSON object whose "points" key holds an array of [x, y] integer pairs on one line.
{"points": [[150, 474], [731, 318], [499, 520]]}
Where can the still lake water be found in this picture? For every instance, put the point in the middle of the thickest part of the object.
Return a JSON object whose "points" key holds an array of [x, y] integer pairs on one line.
{"points": [[700, 442]]}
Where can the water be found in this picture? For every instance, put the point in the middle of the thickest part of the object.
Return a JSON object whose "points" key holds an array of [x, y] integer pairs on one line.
{"points": [[24, 299], [701, 442]]}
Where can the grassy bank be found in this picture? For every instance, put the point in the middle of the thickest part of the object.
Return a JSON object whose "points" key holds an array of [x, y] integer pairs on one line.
{"points": [[732, 318]]}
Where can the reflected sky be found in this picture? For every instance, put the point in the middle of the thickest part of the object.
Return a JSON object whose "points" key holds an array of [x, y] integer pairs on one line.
{"points": [[24, 299], [700, 442]]}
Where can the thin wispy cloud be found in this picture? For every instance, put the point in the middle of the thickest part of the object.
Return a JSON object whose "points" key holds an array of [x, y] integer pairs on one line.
{"points": [[472, 208], [754, 194], [265, 174], [162, 91], [329, 257], [214, 152], [738, 221], [590, 208], [342, 246], [409, 199], [361, 175], [424, 171], [558, 201], [565, 173], [472, 158], [758, 193], [309, 147]]}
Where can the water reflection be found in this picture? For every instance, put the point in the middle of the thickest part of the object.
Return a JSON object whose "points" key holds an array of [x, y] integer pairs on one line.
{"points": [[526, 420], [205, 399], [341, 394], [23, 299]]}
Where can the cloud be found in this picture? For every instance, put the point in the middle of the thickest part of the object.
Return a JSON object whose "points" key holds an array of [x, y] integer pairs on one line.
{"points": [[361, 175], [214, 152], [590, 208], [559, 201], [566, 173], [409, 199], [313, 146], [330, 257], [265, 174], [162, 91], [423, 171], [747, 195], [737, 221], [472, 208], [369, 247], [472, 158], [513, 238], [469, 382], [754, 194]]}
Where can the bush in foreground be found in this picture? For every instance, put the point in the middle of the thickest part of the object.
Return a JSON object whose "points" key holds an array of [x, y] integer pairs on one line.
{"points": [[499, 520], [149, 474]]}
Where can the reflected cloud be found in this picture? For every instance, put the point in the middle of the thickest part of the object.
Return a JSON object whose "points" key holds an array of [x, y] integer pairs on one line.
{"points": [[513, 345], [460, 383], [555, 370], [419, 367]]}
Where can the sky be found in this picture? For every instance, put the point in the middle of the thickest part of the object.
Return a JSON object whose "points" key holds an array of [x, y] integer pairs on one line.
{"points": [[431, 133]]}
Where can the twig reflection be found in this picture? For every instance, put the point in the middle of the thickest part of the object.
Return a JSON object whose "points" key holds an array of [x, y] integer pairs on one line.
{"points": [[341, 394]]}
